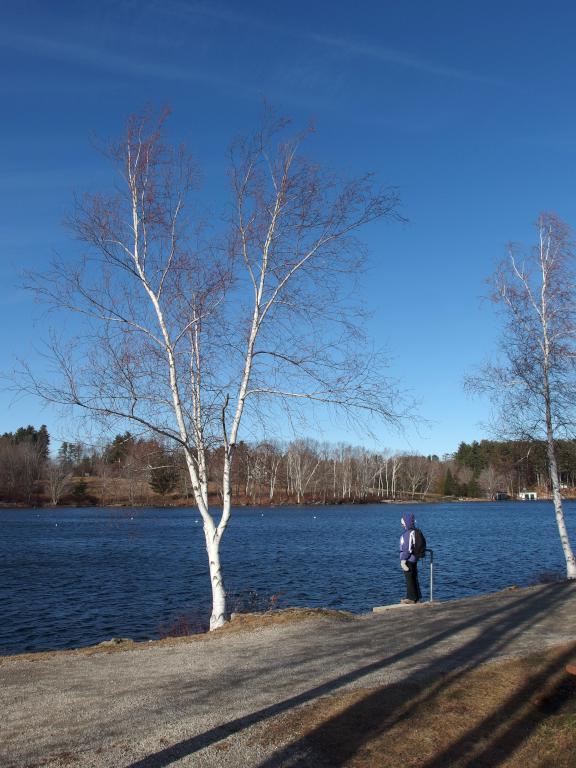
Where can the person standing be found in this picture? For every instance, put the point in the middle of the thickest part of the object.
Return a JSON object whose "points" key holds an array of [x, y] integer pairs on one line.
{"points": [[409, 561]]}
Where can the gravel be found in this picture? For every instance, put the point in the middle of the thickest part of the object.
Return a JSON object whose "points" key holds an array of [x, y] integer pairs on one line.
{"points": [[212, 700]]}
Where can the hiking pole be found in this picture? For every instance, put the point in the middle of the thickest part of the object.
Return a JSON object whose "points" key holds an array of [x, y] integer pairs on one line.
{"points": [[431, 574]]}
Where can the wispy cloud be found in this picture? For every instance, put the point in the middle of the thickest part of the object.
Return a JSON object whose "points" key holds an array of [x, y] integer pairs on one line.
{"points": [[361, 49], [103, 59], [398, 58]]}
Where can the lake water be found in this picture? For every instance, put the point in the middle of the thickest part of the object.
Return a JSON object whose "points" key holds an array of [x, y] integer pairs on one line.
{"points": [[73, 577]]}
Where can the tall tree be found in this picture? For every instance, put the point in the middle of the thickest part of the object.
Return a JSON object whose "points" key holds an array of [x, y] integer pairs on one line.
{"points": [[186, 338], [450, 485], [534, 383]]}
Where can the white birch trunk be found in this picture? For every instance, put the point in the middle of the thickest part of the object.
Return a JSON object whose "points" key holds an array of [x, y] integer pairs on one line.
{"points": [[559, 511], [556, 495], [552, 463], [218, 616]]}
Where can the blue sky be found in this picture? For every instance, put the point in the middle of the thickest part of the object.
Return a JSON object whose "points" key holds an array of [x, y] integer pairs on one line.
{"points": [[467, 107]]}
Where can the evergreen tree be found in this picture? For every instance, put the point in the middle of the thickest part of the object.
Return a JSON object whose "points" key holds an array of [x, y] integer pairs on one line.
{"points": [[42, 441], [474, 490], [119, 448], [163, 479], [450, 485], [39, 438]]}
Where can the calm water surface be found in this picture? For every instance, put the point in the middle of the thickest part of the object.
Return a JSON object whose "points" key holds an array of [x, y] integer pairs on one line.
{"points": [[73, 577]]}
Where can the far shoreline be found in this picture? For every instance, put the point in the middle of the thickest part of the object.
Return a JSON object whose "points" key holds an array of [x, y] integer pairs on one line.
{"points": [[276, 505]]}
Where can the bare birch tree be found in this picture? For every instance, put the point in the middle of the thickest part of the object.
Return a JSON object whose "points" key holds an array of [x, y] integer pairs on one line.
{"points": [[58, 480], [534, 384], [272, 458], [187, 338], [303, 463]]}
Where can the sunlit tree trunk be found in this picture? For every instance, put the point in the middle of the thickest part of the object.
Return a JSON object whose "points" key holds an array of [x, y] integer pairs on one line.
{"points": [[545, 255]]}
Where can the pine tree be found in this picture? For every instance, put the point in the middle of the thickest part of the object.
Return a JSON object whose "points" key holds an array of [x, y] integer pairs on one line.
{"points": [[163, 479], [450, 485]]}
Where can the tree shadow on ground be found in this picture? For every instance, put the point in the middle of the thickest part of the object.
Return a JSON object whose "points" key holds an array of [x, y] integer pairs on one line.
{"points": [[493, 635], [498, 736], [373, 730]]}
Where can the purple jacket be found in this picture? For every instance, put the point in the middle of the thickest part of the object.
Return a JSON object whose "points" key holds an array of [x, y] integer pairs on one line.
{"points": [[407, 540]]}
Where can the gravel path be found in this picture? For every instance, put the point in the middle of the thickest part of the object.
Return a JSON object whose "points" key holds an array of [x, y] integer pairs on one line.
{"points": [[209, 702]]}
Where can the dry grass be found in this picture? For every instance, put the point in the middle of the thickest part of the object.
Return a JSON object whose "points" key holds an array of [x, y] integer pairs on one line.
{"points": [[518, 713], [250, 621]]}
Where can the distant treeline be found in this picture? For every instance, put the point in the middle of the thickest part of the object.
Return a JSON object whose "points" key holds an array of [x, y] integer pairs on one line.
{"points": [[515, 465], [131, 470]]}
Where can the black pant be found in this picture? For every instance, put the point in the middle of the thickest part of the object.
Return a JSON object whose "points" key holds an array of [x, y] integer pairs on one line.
{"points": [[412, 585]]}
